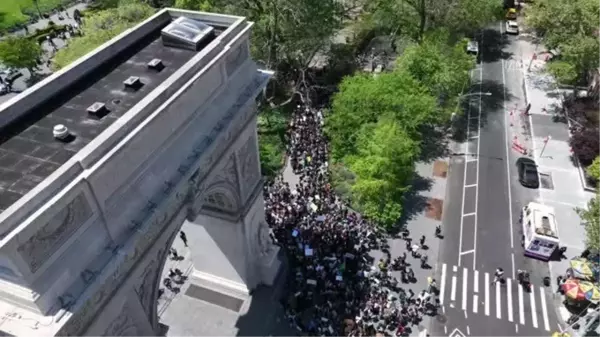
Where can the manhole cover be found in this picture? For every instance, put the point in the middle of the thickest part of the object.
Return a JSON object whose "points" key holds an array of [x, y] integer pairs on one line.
{"points": [[546, 181]]}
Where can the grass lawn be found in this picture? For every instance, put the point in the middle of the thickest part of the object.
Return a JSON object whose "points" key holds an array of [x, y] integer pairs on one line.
{"points": [[13, 12]]}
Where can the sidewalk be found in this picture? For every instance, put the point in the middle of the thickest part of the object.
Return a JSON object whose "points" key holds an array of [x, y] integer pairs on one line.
{"points": [[561, 185]]}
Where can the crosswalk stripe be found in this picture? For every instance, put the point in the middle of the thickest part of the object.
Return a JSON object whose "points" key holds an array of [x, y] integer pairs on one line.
{"points": [[464, 288], [498, 301], [443, 285], [509, 300], [544, 310], [450, 278], [453, 290], [521, 310], [487, 294], [533, 311]]}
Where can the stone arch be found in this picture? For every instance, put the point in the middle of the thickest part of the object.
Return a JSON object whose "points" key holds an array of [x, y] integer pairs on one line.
{"points": [[162, 261]]}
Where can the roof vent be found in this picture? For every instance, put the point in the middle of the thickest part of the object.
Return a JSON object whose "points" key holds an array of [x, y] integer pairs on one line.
{"points": [[60, 132], [186, 33], [133, 83], [156, 64], [97, 110]]}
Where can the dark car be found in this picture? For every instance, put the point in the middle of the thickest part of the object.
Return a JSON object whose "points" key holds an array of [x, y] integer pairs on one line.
{"points": [[528, 174]]}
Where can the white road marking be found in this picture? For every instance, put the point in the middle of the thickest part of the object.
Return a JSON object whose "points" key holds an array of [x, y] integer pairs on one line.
{"points": [[468, 330], [473, 137], [506, 140], [469, 214], [475, 302], [453, 290], [472, 160], [468, 252], [471, 185], [443, 287], [454, 269], [550, 201], [477, 174], [498, 301], [487, 294], [462, 209], [544, 310], [512, 256], [521, 307], [516, 328], [533, 310], [476, 281], [445, 330], [464, 289], [509, 299], [465, 314]]}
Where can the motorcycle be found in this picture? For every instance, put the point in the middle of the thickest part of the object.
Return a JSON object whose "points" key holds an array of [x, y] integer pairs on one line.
{"points": [[523, 278]]}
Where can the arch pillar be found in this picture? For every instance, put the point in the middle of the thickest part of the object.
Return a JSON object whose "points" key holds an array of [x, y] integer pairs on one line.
{"points": [[228, 236]]}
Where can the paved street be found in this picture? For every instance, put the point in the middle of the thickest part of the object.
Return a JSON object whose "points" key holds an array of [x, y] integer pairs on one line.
{"points": [[482, 213]]}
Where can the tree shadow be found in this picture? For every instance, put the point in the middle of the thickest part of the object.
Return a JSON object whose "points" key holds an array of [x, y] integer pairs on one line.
{"points": [[493, 48], [414, 203], [434, 144], [466, 123]]}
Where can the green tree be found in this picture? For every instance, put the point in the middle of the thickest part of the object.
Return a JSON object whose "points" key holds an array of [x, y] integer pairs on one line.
{"points": [[20, 52], [594, 169], [591, 217], [383, 168], [415, 17], [440, 66], [37, 7], [101, 27], [286, 36], [363, 99], [572, 28]]}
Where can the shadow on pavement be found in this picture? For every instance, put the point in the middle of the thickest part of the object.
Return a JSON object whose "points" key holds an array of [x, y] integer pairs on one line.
{"points": [[434, 144], [492, 49], [469, 106], [414, 203]]}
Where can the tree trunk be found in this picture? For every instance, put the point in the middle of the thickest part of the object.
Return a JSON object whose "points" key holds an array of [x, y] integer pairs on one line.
{"points": [[423, 19], [37, 6]]}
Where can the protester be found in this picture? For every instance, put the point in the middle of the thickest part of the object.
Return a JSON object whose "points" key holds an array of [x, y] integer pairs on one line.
{"points": [[334, 288]]}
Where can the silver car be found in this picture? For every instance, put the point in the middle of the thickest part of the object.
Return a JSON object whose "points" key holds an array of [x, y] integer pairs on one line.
{"points": [[512, 27], [473, 47]]}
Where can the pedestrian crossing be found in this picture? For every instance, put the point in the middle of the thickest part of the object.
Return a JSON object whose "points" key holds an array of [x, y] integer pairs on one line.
{"points": [[474, 291]]}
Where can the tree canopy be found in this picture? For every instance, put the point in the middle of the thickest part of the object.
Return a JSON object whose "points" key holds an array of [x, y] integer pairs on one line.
{"points": [[416, 17], [591, 217], [363, 99], [20, 52], [100, 27], [383, 167], [440, 66], [572, 28]]}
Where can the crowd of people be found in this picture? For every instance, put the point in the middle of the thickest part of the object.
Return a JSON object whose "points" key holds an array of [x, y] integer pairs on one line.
{"points": [[334, 286]]}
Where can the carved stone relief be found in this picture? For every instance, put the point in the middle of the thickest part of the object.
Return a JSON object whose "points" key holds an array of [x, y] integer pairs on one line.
{"points": [[248, 156], [155, 219], [264, 241], [145, 290], [236, 58], [38, 248], [122, 325], [218, 200]]}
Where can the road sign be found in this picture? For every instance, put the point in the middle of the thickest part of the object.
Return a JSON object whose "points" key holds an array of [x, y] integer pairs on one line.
{"points": [[456, 333]]}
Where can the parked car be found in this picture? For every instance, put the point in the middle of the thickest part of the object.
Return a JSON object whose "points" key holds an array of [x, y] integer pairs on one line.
{"points": [[512, 27], [528, 174], [473, 47]]}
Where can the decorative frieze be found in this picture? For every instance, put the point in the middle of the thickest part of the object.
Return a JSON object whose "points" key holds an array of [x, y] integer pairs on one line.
{"points": [[41, 246], [250, 167]]}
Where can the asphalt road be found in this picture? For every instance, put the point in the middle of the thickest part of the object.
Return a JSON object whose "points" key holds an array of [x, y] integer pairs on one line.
{"points": [[482, 208]]}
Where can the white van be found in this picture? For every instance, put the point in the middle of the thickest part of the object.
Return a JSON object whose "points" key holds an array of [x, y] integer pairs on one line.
{"points": [[540, 233]]}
